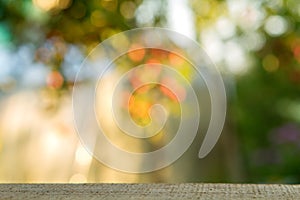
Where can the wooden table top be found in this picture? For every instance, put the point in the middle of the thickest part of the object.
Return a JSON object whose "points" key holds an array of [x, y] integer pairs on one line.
{"points": [[148, 191]]}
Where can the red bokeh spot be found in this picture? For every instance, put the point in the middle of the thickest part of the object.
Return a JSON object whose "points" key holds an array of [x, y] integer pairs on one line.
{"points": [[153, 61], [166, 91], [55, 80], [137, 53], [296, 52], [175, 60]]}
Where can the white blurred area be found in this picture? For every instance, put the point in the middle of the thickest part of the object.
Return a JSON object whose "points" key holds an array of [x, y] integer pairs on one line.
{"points": [[226, 52], [237, 30], [180, 18], [38, 145]]}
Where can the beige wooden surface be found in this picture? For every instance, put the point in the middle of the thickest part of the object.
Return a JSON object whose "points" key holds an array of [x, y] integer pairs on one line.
{"points": [[148, 191]]}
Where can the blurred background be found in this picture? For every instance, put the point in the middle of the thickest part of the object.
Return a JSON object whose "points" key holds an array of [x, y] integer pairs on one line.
{"points": [[255, 45]]}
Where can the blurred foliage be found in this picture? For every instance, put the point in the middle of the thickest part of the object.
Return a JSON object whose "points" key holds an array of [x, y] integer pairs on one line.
{"points": [[76, 21], [264, 97], [52, 25], [265, 108]]}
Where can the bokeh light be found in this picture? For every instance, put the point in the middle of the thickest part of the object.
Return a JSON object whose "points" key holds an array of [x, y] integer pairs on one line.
{"points": [[255, 45]]}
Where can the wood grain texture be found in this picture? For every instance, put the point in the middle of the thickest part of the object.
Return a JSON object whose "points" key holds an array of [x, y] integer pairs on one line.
{"points": [[148, 191]]}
